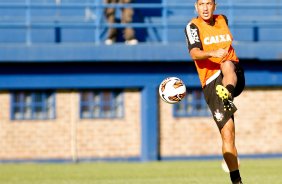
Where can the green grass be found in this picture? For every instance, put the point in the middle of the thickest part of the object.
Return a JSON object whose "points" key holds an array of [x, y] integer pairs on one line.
{"points": [[264, 171]]}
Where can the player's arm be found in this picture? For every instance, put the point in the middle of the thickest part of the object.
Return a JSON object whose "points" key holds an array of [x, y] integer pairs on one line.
{"points": [[198, 54], [195, 45]]}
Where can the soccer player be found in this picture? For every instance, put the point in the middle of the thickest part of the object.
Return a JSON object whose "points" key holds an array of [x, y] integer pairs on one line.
{"points": [[222, 78]]}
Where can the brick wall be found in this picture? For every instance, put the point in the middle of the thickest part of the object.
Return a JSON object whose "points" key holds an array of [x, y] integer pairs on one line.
{"points": [[67, 136], [260, 121], [114, 137], [258, 127], [258, 130]]}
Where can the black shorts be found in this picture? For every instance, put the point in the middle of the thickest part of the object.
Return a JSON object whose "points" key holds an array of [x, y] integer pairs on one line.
{"points": [[215, 103]]}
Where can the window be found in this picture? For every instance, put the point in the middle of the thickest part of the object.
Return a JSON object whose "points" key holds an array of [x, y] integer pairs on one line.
{"points": [[27, 105], [193, 104], [101, 104]]}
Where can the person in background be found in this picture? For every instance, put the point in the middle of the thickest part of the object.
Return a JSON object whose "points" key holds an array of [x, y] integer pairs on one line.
{"points": [[209, 43], [127, 16]]}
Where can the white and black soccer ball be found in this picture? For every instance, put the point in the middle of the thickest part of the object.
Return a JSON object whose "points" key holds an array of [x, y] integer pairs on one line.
{"points": [[172, 90]]}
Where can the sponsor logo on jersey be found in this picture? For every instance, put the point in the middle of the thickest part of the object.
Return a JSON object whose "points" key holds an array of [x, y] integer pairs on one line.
{"points": [[195, 35], [192, 34], [217, 39]]}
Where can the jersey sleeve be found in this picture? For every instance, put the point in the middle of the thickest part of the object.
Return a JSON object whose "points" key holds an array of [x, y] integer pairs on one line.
{"points": [[226, 19], [192, 37]]}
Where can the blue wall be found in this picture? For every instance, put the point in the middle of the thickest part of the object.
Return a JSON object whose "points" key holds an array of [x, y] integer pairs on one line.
{"points": [[144, 76]]}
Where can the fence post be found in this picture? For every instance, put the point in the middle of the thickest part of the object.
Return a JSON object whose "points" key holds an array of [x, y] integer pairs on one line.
{"points": [[255, 32], [97, 21], [57, 28], [28, 23], [231, 15], [164, 21]]}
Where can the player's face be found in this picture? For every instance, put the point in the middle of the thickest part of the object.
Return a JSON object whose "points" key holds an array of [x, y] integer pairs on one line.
{"points": [[205, 9]]}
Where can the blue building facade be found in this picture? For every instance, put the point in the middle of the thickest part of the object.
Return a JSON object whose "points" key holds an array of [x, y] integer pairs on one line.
{"points": [[64, 54]]}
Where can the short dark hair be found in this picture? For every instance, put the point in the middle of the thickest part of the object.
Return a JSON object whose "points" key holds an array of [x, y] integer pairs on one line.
{"points": [[213, 1]]}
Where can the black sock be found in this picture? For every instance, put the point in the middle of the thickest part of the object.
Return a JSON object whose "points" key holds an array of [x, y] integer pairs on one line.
{"points": [[231, 89], [235, 176]]}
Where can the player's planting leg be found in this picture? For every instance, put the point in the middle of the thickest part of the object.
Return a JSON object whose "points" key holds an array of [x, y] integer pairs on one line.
{"points": [[229, 150]]}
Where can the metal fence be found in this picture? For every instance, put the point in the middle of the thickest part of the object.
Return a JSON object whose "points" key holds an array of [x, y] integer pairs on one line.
{"points": [[59, 14]]}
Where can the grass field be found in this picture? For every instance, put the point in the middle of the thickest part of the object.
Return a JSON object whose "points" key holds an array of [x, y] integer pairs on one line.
{"points": [[257, 171]]}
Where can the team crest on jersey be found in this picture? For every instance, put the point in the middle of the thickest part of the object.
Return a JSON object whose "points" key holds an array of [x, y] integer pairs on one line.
{"points": [[217, 39], [218, 115]]}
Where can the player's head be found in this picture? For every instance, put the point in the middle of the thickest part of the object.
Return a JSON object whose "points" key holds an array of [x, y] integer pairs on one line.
{"points": [[198, 0], [205, 9]]}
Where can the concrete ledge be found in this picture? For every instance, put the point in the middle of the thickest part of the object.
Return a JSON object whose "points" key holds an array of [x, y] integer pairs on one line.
{"points": [[137, 159], [143, 52]]}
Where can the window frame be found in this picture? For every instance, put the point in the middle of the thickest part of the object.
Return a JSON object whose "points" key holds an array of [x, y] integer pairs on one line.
{"points": [[43, 104], [100, 104], [202, 102]]}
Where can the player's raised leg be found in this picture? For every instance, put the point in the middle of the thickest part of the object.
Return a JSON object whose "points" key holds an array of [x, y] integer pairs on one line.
{"points": [[229, 75], [229, 81]]}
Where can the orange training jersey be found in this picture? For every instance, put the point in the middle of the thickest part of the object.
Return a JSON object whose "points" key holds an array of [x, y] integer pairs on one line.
{"points": [[210, 37]]}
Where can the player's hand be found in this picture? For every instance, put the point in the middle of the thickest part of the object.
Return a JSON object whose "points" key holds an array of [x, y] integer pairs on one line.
{"points": [[220, 53]]}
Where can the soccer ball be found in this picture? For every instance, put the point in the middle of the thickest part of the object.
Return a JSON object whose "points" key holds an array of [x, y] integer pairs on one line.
{"points": [[172, 90]]}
